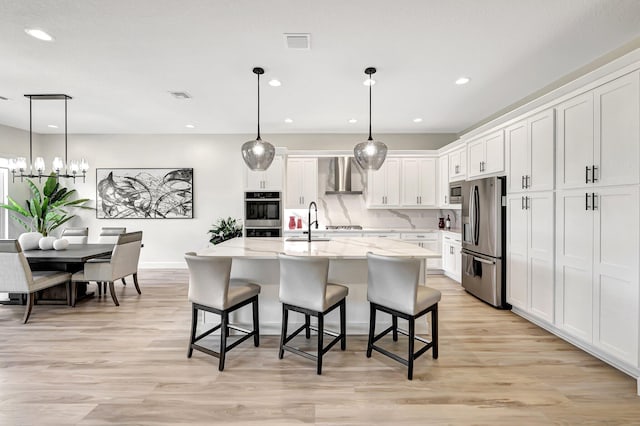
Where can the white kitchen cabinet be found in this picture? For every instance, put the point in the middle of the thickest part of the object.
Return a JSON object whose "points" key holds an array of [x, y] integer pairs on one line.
{"points": [[530, 253], [458, 164], [485, 156], [383, 185], [443, 181], [452, 257], [419, 182], [530, 153], [268, 180], [430, 241], [597, 246], [599, 136], [302, 182]]}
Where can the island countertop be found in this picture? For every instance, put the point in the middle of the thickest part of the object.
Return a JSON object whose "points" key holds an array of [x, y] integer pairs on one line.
{"points": [[336, 248]]}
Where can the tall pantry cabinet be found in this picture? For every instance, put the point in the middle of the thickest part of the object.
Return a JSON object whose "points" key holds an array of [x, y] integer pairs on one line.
{"points": [[598, 218]]}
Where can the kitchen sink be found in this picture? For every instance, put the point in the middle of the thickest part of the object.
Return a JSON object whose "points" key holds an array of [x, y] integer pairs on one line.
{"points": [[304, 239]]}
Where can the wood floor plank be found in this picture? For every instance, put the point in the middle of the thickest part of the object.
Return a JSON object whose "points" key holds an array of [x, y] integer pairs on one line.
{"points": [[99, 364]]}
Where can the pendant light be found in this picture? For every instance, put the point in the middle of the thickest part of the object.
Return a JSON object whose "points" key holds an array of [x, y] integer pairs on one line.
{"points": [[36, 169], [371, 153], [258, 154]]}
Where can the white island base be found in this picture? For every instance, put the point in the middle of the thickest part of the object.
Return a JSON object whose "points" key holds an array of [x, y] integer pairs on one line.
{"points": [[255, 259]]}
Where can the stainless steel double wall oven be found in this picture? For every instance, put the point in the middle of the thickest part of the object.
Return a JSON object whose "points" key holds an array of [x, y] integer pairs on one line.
{"points": [[262, 214]]}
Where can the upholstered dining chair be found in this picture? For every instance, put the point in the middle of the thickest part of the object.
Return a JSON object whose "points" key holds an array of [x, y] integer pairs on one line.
{"points": [[16, 275], [109, 235], [212, 290], [77, 235], [304, 289], [393, 288], [123, 262]]}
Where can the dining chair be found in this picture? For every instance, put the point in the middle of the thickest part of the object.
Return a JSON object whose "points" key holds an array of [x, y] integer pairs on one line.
{"points": [[212, 290], [393, 288], [304, 289], [17, 277], [123, 262], [109, 235], [76, 235]]}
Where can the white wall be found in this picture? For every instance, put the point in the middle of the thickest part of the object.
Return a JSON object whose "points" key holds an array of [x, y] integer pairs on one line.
{"points": [[217, 164]]}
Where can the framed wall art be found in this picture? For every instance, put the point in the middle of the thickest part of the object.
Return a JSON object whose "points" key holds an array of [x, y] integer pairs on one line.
{"points": [[146, 193]]}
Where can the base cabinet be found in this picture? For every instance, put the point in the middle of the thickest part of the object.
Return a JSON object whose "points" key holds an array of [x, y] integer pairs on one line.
{"points": [[452, 257], [530, 253], [598, 241]]}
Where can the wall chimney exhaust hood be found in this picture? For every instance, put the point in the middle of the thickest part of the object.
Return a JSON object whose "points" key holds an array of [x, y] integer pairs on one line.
{"points": [[342, 177]]}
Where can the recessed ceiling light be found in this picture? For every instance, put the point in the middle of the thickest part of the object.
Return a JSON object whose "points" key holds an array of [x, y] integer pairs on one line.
{"points": [[353, 120], [417, 120], [53, 126], [189, 126], [180, 95], [462, 80], [2, 98], [288, 120], [369, 82], [39, 34], [274, 83]]}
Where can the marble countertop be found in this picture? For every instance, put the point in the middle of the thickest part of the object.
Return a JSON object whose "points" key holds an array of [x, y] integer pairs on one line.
{"points": [[367, 230], [339, 248]]}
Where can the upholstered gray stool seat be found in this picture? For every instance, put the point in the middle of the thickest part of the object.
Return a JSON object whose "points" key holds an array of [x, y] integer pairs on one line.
{"points": [[304, 289], [393, 288], [212, 290]]}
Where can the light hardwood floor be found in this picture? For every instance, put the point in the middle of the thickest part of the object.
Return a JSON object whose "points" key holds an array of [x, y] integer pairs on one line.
{"points": [[98, 364]]}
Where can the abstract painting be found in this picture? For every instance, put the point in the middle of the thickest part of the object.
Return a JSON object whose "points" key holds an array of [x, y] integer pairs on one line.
{"points": [[144, 193]]}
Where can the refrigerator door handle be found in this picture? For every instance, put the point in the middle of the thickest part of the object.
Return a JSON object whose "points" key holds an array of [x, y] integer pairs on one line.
{"points": [[481, 260], [476, 215], [471, 216]]}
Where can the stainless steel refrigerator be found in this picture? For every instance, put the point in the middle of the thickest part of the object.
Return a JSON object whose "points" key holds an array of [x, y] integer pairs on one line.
{"points": [[483, 239]]}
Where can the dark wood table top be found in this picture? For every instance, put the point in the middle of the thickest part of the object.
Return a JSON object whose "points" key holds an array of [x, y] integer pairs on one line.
{"points": [[75, 253]]}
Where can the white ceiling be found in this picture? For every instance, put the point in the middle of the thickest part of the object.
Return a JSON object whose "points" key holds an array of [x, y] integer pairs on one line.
{"points": [[119, 59]]}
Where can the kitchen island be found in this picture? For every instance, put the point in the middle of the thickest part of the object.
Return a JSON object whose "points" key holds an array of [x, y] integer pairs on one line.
{"points": [[256, 259]]}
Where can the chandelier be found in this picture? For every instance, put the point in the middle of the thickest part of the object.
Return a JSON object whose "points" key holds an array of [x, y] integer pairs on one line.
{"points": [[60, 166]]}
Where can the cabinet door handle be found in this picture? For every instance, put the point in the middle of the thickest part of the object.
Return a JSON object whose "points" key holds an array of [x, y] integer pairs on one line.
{"points": [[445, 199], [522, 207], [522, 183], [451, 250], [417, 200], [593, 173], [586, 201], [528, 181], [526, 203], [456, 168], [594, 197], [586, 174]]}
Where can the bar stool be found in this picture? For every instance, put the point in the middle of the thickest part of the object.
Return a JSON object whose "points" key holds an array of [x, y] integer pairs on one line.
{"points": [[304, 289], [393, 288], [212, 290]]}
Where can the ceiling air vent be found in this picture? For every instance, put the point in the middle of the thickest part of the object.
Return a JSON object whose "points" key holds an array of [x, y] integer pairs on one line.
{"points": [[180, 95], [299, 41]]}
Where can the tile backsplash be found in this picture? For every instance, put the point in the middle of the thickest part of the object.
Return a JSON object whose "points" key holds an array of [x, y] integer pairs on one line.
{"points": [[351, 209]]}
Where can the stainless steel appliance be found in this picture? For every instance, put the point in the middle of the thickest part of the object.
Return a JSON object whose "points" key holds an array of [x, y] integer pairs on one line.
{"points": [[483, 239], [262, 214], [455, 193]]}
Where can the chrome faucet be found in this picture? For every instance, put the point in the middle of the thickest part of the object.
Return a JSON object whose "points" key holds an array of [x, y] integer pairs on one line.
{"points": [[309, 223]]}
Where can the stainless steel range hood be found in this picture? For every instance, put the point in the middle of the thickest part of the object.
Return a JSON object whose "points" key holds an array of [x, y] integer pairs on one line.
{"points": [[342, 177]]}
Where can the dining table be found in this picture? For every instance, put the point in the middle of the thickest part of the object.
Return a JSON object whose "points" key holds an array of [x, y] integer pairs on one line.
{"points": [[71, 260]]}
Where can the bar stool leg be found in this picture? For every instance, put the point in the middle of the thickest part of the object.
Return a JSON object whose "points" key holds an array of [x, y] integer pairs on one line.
{"points": [[372, 328], [434, 331], [194, 322], [343, 325], [394, 320], [320, 340], [307, 324], [256, 324], [283, 332], [412, 334], [224, 330]]}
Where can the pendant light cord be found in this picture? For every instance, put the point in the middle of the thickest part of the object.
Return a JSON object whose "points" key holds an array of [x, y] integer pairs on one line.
{"points": [[66, 165], [258, 138], [370, 138], [31, 133]]}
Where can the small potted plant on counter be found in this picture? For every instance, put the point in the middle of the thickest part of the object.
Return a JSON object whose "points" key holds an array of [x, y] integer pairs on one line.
{"points": [[225, 229]]}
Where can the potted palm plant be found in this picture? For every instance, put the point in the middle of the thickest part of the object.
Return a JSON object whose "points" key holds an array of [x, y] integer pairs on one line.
{"points": [[47, 209], [225, 229]]}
